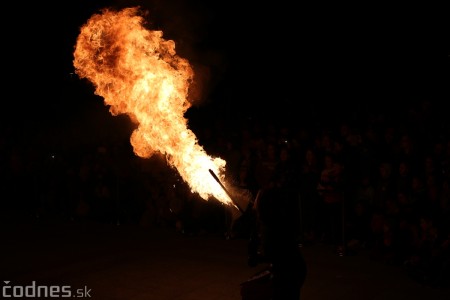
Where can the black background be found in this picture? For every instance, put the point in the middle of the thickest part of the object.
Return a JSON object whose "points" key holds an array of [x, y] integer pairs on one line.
{"points": [[259, 56]]}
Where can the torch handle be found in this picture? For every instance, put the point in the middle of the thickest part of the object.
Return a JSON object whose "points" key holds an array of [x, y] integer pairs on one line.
{"points": [[226, 191]]}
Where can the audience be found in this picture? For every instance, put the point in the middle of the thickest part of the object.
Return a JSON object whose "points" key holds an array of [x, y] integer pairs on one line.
{"points": [[373, 182]]}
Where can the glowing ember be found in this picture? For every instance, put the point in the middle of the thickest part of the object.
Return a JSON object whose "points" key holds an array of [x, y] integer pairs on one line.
{"points": [[138, 73]]}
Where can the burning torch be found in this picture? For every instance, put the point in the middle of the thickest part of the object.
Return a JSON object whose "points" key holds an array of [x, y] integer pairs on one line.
{"points": [[226, 191]]}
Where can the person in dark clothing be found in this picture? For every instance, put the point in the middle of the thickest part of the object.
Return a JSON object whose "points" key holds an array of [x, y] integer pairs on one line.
{"points": [[275, 242]]}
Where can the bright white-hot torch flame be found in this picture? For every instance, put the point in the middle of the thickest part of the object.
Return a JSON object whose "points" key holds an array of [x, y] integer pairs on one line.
{"points": [[138, 73]]}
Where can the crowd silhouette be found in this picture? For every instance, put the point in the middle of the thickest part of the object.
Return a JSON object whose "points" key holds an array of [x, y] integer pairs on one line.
{"points": [[375, 180]]}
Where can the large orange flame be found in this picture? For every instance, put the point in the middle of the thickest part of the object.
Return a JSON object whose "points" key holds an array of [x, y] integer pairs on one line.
{"points": [[138, 73]]}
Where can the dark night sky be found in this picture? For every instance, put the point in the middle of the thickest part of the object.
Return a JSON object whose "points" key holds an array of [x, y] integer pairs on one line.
{"points": [[257, 54]]}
